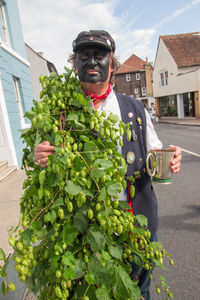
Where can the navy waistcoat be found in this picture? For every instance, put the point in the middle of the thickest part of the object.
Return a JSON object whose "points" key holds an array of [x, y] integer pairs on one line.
{"points": [[144, 201]]}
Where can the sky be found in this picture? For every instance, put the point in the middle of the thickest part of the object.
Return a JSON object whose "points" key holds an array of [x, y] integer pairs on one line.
{"points": [[50, 26]]}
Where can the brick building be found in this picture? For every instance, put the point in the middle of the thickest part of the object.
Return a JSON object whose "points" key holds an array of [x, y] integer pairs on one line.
{"points": [[134, 78]]}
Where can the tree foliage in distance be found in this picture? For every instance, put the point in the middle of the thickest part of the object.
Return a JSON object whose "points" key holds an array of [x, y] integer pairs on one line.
{"points": [[75, 238]]}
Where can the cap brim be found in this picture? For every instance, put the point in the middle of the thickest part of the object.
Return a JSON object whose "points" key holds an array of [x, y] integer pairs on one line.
{"points": [[92, 43]]}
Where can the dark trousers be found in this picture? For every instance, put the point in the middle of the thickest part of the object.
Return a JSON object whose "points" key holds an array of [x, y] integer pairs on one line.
{"points": [[143, 275]]}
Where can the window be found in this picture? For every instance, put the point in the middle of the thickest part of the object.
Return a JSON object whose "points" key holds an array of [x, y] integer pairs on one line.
{"points": [[164, 78], [19, 103], [137, 76], [136, 91], [5, 36], [143, 91], [128, 77]]}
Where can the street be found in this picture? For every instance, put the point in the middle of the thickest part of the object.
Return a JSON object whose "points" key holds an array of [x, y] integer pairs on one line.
{"points": [[179, 214]]}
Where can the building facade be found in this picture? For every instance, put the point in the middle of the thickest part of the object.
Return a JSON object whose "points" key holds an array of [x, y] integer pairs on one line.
{"points": [[16, 93], [38, 65], [134, 78], [176, 75]]}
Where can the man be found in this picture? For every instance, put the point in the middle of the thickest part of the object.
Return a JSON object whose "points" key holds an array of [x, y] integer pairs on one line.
{"points": [[95, 63]]}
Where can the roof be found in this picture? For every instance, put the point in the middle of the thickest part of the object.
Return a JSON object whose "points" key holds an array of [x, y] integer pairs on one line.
{"points": [[50, 65], [132, 64], [184, 48]]}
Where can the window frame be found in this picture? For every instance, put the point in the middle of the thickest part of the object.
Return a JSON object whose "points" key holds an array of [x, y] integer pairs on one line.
{"points": [[164, 78], [6, 38], [144, 91], [128, 77], [19, 103], [137, 76]]}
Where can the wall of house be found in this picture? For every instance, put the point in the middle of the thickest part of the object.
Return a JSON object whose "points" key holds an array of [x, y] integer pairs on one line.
{"points": [[10, 67], [38, 66], [180, 80], [13, 63], [128, 87]]}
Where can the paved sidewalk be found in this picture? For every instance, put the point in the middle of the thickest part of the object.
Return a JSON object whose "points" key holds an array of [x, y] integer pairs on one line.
{"points": [[186, 121]]}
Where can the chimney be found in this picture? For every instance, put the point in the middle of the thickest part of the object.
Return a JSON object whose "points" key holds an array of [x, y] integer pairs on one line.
{"points": [[147, 60]]}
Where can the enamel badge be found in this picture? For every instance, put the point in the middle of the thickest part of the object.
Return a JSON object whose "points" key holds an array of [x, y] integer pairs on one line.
{"points": [[130, 115], [134, 135], [130, 157]]}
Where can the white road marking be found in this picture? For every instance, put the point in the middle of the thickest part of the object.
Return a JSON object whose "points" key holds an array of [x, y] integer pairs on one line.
{"points": [[187, 151]]}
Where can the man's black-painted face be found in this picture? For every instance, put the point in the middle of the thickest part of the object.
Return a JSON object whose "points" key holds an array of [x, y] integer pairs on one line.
{"points": [[93, 65]]}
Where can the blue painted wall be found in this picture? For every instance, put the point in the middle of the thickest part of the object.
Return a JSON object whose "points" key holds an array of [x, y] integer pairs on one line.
{"points": [[11, 67]]}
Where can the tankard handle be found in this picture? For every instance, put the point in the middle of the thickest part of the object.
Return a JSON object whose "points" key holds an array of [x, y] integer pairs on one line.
{"points": [[151, 164]]}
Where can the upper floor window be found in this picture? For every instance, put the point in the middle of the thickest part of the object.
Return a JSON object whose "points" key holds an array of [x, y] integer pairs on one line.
{"points": [[143, 91], [4, 30], [164, 78], [136, 91], [137, 76], [128, 77]]}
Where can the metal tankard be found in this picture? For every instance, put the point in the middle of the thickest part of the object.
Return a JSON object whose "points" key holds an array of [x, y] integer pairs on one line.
{"points": [[158, 165]]}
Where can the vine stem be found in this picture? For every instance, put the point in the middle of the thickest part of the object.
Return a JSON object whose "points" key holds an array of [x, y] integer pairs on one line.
{"points": [[86, 290]]}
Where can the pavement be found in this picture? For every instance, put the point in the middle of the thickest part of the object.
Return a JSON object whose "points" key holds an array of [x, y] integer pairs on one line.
{"points": [[10, 193], [190, 121]]}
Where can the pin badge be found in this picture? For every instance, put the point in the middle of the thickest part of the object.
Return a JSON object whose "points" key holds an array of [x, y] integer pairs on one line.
{"points": [[134, 135], [130, 158], [137, 174], [139, 120], [130, 114], [140, 160]]}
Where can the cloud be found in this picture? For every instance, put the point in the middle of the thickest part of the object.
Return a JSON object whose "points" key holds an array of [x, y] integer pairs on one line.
{"points": [[177, 13], [51, 27]]}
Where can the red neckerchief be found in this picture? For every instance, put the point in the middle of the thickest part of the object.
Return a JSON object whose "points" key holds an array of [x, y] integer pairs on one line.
{"points": [[95, 97]]}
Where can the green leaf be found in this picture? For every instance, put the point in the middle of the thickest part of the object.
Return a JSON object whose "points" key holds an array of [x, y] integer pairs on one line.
{"points": [[97, 172], [81, 220], [72, 188], [79, 267], [52, 216], [122, 170], [124, 204], [103, 275], [115, 251], [68, 259], [30, 114], [124, 287], [142, 220], [105, 255], [102, 194], [69, 274], [38, 139], [90, 146], [89, 277], [69, 233], [57, 203], [2, 254], [113, 118], [73, 116], [102, 293], [103, 163], [77, 125], [113, 188], [26, 236], [95, 238]]}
